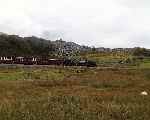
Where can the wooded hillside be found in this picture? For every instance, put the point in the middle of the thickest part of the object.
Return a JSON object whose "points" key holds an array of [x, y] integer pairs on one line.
{"points": [[27, 46]]}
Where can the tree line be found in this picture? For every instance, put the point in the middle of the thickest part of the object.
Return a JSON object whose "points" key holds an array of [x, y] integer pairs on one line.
{"points": [[13, 45]]}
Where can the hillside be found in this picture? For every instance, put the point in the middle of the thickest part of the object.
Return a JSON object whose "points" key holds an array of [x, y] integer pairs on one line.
{"points": [[19, 46], [14, 45]]}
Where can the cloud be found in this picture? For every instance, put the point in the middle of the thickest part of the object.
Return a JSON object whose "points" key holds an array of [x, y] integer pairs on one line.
{"points": [[109, 23]]}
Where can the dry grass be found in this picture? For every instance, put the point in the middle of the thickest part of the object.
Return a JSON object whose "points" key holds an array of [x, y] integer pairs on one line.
{"points": [[74, 93]]}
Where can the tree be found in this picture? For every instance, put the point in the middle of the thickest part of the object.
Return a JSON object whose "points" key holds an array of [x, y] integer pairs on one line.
{"points": [[141, 52]]}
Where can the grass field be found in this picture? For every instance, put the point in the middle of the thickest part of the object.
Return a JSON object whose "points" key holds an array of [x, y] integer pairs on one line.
{"points": [[108, 59], [57, 93]]}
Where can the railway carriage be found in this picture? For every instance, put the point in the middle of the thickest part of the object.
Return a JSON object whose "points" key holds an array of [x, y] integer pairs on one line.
{"points": [[45, 61]]}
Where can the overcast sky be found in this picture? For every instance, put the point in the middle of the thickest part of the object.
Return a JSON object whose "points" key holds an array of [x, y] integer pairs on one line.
{"points": [[107, 23]]}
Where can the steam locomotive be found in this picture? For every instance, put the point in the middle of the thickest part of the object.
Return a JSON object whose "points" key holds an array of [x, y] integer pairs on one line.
{"points": [[45, 61]]}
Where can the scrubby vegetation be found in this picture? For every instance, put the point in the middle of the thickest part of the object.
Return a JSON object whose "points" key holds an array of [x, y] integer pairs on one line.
{"points": [[47, 93]]}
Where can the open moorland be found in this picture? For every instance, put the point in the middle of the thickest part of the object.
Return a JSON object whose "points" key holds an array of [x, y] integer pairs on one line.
{"points": [[74, 93]]}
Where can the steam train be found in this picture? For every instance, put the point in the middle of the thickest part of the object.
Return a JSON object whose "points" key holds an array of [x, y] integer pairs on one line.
{"points": [[45, 61]]}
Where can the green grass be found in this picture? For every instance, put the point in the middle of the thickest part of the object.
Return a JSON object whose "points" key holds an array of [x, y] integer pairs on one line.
{"points": [[145, 63], [32, 74], [106, 59]]}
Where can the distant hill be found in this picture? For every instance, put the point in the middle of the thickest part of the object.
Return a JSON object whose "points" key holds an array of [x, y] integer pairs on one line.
{"points": [[66, 48], [14, 45]]}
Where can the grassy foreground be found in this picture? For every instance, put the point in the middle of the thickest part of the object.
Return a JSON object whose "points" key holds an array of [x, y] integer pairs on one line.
{"points": [[49, 93]]}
